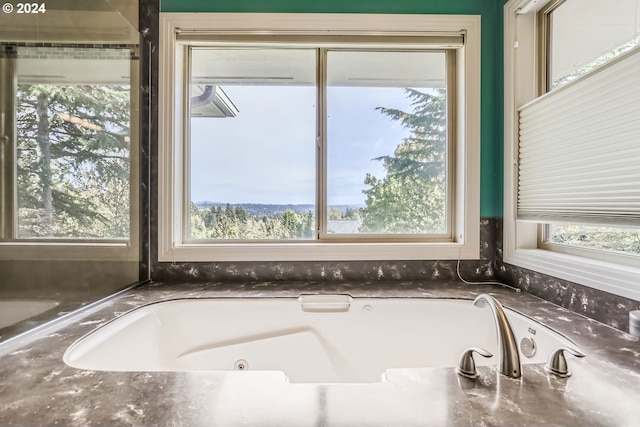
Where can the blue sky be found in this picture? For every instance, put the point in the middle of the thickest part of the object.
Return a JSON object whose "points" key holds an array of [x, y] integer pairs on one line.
{"points": [[266, 154]]}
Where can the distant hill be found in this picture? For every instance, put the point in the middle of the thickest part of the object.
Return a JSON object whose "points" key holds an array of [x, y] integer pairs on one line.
{"points": [[262, 209]]}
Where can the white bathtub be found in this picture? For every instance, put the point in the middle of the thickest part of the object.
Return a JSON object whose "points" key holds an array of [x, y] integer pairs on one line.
{"points": [[313, 339], [14, 310]]}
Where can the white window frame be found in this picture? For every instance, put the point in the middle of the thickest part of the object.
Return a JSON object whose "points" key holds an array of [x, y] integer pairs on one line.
{"points": [[522, 246], [43, 249], [172, 244]]}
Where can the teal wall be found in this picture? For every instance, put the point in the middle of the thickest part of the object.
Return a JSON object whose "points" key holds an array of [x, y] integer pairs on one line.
{"points": [[491, 67]]}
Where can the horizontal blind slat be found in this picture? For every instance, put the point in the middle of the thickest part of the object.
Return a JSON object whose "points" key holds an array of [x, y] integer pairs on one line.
{"points": [[548, 135]]}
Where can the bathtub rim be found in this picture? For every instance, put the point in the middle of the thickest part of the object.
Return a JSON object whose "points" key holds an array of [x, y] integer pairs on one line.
{"points": [[258, 298]]}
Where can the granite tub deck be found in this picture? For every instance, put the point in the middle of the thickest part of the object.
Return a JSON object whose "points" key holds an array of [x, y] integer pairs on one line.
{"points": [[64, 308], [38, 389]]}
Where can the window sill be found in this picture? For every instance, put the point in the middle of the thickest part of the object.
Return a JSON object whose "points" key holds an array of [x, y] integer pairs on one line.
{"points": [[606, 276], [321, 251]]}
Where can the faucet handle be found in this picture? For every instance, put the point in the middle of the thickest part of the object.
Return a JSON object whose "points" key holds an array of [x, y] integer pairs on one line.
{"points": [[557, 363], [467, 366]]}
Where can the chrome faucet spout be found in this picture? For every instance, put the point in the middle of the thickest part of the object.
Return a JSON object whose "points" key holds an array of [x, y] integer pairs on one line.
{"points": [[508, 356]]}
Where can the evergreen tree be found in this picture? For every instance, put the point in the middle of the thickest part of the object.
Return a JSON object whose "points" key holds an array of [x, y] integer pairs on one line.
{"points": [[73, 160], [411, 197], [236, 223]]}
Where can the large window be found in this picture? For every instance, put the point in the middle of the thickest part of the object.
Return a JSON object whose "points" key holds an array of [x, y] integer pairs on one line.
{"points": [[572, 199], [313, 143], [67, 167], [254, 140]]}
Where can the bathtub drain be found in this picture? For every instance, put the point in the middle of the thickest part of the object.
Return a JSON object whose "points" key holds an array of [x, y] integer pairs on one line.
{"points": [[241, 365]]}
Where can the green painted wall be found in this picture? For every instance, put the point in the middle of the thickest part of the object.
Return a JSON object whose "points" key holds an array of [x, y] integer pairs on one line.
{"points": [[491, 67]]}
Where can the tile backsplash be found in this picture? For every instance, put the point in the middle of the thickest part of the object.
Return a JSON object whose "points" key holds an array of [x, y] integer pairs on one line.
{"points": [[370, 271], [607, 308]]}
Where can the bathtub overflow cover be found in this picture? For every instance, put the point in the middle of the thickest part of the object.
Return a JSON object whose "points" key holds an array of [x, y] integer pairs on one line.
{"points": [[241, 365], [528, 346]]}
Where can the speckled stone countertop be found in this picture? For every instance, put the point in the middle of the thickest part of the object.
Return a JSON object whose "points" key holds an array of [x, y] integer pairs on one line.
{"points": [[38, 389]]}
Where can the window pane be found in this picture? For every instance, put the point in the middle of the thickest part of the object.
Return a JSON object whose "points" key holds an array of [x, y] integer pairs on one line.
{"points": [[588, 33], [73, 142], [386, 142], [625, 240], [252, 144]]}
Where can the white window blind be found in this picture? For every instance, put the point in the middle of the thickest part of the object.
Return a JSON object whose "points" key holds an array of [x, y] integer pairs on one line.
{"points": [[579, 149]]}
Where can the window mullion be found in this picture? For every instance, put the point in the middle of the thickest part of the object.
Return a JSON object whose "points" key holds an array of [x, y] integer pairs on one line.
{"points": [[451, 175], [321, 144], [8, 159], [186, 147]]}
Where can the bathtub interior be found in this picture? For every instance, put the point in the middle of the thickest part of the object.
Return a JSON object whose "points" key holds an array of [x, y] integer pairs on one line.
{"points": [[314, 340], [14, 310]]}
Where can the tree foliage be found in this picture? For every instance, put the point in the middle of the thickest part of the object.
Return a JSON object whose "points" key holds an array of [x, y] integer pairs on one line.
{"points": [[231, 222], [73, 173], [411, 197], [625, 240]]}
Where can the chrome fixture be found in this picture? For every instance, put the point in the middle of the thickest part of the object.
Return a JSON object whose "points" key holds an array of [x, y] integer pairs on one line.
{"points": [[634, 323], [557, 364], [528, 347], [467, 366], [508, 357]]}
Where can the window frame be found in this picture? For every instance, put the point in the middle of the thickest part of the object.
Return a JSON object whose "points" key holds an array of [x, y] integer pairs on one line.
{"points": [[524, 246], [15, 248], [447, 236], [322, 146], [173, 177], [544, 39]]}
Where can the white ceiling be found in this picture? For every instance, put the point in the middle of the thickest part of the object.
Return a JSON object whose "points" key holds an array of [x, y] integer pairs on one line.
{"points": [[74, 71], [74, 21], [297, 67]]}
